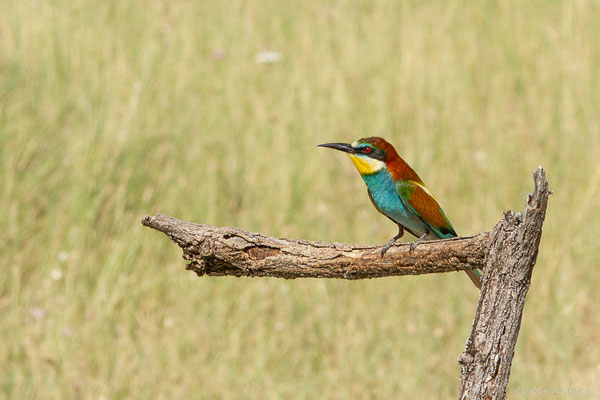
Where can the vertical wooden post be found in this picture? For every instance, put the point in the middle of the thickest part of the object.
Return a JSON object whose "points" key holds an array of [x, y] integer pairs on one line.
{"points": [[512, 252]]}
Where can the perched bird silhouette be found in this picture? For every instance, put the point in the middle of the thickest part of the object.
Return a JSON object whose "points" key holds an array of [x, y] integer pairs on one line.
{"points": [[398, 192]]}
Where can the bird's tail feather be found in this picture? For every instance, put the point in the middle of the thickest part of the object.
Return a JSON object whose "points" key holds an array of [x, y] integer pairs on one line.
{"points": [[475, 276]]}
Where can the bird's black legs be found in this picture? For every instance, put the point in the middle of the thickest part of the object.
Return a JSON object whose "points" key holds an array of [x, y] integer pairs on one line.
{"points": [[414, 244], [393, 240]]}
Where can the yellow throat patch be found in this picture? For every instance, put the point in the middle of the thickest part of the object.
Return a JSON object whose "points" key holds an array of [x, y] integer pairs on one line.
{"points": [[366, 165]]}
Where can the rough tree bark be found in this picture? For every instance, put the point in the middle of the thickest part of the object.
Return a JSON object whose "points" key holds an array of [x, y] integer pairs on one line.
{"points": [[231, 251], [507, 256], [512, 253]]}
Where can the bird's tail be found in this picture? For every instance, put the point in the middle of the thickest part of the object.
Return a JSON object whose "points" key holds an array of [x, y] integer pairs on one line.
{"points": [[475, 276]]}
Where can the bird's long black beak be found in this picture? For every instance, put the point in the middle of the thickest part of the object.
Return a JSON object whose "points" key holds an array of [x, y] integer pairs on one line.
{"points": [[345, 147]]}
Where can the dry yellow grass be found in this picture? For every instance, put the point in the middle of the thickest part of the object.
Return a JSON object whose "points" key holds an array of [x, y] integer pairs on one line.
{"points": [[112, 110]]}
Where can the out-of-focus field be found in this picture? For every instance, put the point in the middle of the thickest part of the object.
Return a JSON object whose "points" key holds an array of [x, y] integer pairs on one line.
{"points": [[110, 110]]}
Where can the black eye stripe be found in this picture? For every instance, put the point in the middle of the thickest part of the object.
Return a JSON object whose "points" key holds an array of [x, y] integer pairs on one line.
{"points": [[372, 152], [377, 154]]}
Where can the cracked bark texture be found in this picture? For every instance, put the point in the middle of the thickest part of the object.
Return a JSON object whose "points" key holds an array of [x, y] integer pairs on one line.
{"points": [[218, 251], [507, 256], [513, 249]]}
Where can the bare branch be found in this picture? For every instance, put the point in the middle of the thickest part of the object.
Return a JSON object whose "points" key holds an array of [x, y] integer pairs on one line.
{"points": [[230, 251]]}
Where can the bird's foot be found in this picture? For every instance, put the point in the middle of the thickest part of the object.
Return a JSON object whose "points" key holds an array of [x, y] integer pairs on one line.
{"points": [[392, 240], [414, 244], [387, 247]]}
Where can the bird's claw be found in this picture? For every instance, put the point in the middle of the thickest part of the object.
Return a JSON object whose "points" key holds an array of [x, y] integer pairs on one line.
{"points": [[413, 246], [392, 240], [385, 249]]}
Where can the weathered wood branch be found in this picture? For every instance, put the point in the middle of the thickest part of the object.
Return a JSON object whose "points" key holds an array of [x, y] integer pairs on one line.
{"points": [[230, 251], [513, 250], [507, 256]]}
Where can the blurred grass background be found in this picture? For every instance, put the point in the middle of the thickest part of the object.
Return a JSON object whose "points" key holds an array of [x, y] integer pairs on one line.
{"points": [[112, 110]]}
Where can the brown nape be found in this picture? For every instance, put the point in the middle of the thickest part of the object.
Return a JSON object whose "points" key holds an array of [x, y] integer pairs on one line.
{"points": [[399, 169]]}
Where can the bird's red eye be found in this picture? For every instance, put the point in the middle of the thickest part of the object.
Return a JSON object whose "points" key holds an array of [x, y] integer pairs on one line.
{"points": [[367, 150]]}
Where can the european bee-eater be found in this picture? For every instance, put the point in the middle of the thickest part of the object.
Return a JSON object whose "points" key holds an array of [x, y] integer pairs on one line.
{"points": [[398, 192]]}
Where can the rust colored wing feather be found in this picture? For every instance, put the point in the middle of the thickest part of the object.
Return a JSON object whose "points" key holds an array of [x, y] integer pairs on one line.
{"points": [[419, 201]]}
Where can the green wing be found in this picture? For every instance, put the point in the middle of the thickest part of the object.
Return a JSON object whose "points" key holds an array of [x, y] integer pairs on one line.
{"points": [[420, 202]]}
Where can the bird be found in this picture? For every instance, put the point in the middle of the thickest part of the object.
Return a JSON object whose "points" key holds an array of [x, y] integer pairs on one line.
{"points": [[398, 192]]}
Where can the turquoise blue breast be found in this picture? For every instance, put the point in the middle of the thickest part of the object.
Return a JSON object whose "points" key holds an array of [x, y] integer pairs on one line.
{"points": [[382, 188]]}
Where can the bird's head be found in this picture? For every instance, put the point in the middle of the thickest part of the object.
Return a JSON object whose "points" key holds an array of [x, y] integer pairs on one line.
{"points": [[369, 155]]}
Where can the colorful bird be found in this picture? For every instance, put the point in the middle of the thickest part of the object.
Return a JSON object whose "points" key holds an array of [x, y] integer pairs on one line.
{"points": [[398, 192]]}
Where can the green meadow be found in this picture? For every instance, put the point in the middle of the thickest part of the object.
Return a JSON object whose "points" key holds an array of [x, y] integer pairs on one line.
{"points": [[111, 110]]}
